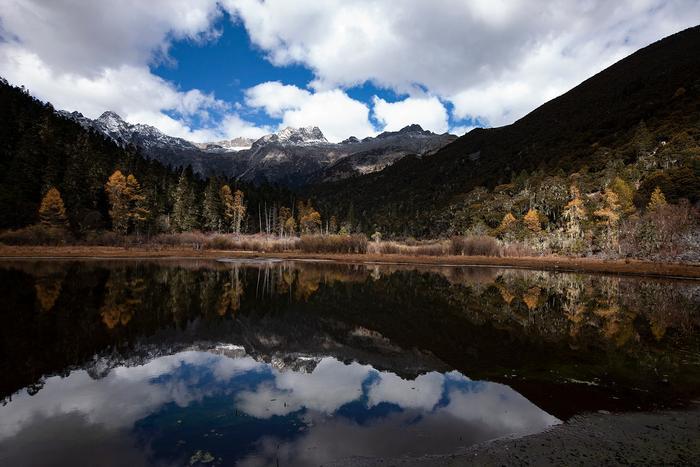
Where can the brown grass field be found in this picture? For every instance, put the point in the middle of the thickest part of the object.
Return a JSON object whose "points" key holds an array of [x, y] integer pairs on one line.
{"points": [[558, 263]]}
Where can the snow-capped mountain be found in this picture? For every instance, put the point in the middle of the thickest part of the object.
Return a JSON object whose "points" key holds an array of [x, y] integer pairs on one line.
{"points": [[292, 156], [227, 145], [124, 133]]}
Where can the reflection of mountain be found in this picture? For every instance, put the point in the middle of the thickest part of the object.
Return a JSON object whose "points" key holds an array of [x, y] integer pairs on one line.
{"points": [[533, 330], [250, 413]]}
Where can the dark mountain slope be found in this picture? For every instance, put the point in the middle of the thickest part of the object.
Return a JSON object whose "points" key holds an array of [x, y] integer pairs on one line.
{"points": [[590, 125]]}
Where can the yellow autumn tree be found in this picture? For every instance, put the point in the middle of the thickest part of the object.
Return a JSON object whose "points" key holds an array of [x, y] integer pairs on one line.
{"points": [[116, 190], [509, 221], [290, 226], [609, 215], [239, 211], [532, 221], [575, 213], [52, 211], [656, 200], [227, 206]]}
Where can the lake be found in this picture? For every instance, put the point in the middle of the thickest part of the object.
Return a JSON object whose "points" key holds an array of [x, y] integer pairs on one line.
{"points": [[203, 362]]}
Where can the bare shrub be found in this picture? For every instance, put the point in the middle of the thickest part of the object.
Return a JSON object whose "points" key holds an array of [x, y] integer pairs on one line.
{"points": [[516, 249], [37, 235], [479, 245], [355, 243], [103, 238]]}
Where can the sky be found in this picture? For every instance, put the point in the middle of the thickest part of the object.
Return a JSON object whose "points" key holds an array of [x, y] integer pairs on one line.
{"points": [[208, 70]]}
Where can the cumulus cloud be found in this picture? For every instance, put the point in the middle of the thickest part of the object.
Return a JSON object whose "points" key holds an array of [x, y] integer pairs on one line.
{"points": [[490, 61], [428, 112], [494, 59], [95, 56]]}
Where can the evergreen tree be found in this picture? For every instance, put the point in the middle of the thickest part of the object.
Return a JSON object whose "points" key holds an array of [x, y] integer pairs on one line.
{"points": [[52, 212], [184, 207], [212, 208], [138, 211]]}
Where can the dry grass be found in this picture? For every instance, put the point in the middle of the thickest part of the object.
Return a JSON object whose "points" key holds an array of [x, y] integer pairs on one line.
{"points": [[355, 244], [413, 248], [480, 245]]}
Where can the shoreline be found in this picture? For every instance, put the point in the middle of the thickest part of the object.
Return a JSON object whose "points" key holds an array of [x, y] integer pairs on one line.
{"points": [[550, 263], [641, 438]]}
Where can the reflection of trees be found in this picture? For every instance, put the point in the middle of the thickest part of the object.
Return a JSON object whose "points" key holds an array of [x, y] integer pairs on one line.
{"points": [[123, 297], [48, 289], [232, 291]]}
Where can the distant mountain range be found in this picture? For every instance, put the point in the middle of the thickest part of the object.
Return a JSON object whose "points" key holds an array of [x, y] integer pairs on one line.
{"points": [[292, 157]]}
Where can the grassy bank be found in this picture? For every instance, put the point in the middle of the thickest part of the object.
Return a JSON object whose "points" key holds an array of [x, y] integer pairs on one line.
{"points": [[557, 263]]}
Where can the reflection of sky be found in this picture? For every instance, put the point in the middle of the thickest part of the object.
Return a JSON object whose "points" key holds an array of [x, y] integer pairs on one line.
{"points": [[241, 409]]}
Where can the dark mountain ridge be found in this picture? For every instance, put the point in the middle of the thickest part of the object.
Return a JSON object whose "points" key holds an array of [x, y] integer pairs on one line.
{"points": [[588, 126]]}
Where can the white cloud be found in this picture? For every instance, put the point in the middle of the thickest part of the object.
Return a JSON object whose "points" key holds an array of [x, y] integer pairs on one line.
{"points": [[333, 111], [428, 112], [494, 59], [95, 56]]}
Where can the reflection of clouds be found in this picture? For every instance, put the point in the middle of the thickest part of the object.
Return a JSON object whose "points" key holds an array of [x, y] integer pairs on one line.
{"points": [[497, 406], [422, 393], [438, 412], [329, 386], [115, 401]]}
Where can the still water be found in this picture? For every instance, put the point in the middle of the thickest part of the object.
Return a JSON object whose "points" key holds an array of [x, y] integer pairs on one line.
{"points": [[291, 363]]}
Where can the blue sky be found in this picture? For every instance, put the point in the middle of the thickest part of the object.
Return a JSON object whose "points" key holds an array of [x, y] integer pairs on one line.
{"points": [[235, 65], [207, 70]]}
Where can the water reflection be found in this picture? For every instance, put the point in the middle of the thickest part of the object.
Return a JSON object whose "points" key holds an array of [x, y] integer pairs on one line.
{"points": [[195, 407], [633, 341]]}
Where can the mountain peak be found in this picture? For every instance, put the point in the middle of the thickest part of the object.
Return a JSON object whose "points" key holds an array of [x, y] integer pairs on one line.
{"points": [[295, 136], [110, 115], [415, 128]]}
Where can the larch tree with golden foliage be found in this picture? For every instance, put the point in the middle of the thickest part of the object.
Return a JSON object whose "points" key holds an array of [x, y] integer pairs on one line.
{"points": [[227, 206], [118, 202], [239, 211], [609, 215], [656, 200], [532, 221], [509, 221], [52, 211], [575, 213]]}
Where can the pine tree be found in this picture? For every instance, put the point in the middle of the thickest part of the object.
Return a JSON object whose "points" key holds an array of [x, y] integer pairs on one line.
{"points": [[184, 208], [136, 201], [52, 212], [656, 200], [212, 211], [239, 211], [532, 221], [116, 190]]}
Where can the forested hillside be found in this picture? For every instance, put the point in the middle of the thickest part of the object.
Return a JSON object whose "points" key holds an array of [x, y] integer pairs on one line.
{"points": [[40, 149], [637, 121]]}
